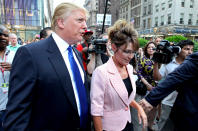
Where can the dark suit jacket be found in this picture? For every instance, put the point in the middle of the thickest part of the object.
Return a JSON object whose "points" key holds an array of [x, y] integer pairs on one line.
{"points": [[185, 80], [41, 96]]}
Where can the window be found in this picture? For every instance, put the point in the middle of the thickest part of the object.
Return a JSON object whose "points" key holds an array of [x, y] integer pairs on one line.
{"points": [[156, 8], [181, 21], [134, 2], [190, 19], [169, 3], [163, 6], [156, 21], [144, 11], [149, 23], [149, 9], [169, 18], [162, 20], [132, 13], [182, 3], [126, 16], [197, 20], [144, 24], [137, 22], [145, 0], [191, 3]]}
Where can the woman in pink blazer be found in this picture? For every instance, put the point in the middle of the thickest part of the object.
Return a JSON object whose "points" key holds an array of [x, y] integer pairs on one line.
{"points": [[113, 87]]}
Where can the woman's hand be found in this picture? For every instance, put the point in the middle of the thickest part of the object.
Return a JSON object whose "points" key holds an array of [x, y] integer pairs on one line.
{"points": [[142, 117], [97, 123], [141, 114]]}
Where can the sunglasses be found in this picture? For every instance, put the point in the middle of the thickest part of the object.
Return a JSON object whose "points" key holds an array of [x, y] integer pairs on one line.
{"points": [[2, 34]]}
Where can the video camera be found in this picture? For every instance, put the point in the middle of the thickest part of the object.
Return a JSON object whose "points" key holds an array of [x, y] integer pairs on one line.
{"points": [[165, 52], [99, 46]]}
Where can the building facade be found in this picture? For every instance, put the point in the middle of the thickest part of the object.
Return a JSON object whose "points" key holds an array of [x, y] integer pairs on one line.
{"points": [[96, 8], [92, 7], [48, 12], [23, 17], [131, 11], [170, 17], [135, 13], [161, 17]]}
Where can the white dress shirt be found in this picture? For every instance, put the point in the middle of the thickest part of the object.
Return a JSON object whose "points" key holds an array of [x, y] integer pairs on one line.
{"points": [[63, 45], [164, 71]]}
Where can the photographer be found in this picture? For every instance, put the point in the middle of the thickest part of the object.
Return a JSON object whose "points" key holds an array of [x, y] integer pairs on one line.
{"points": [[158, 74], [97, 59], [83, 47]]}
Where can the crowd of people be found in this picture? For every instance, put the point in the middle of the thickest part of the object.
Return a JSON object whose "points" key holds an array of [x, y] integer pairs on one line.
{"points": [[61, 82]]}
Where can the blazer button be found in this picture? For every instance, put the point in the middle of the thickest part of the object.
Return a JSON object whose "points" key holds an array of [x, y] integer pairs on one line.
{"points": [[126, 108]]}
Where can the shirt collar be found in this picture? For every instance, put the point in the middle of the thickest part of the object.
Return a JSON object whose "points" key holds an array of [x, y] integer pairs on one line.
{"points": [[62, 45], [17, 45], [174, 61]]}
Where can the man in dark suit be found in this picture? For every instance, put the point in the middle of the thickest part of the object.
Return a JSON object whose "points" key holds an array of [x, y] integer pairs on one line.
{"points": [[44, 89], [184, 79]]}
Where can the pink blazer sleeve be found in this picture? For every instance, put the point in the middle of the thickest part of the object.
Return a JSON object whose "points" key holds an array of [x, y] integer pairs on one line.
{"points": [[97, 92]]}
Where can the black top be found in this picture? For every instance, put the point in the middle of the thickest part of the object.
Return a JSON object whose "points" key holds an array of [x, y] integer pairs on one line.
{"points": [[128, 85], [104, 58]]}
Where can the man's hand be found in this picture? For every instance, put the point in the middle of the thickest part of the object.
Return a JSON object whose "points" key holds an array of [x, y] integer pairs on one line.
{"points": [[6, 66], [145, 105]]}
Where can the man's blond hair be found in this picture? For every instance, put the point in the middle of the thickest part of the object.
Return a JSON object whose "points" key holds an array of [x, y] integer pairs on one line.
{"points": [[63, 10]]}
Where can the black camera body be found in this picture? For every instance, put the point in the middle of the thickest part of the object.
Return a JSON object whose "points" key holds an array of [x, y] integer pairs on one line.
{"points": [[99, 46], [165, 52]]}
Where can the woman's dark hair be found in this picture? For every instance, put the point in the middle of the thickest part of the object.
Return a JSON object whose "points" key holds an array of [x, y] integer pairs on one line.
{"points": [[145, 48], [122, 32]]}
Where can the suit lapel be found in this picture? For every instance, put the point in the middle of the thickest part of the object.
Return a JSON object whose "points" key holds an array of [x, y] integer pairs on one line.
{"points": [[61, 70], [117, 82]]}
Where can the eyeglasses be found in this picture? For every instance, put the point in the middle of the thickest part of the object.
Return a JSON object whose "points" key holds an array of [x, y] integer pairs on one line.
{"points": [[127, 51], [2, 34]]}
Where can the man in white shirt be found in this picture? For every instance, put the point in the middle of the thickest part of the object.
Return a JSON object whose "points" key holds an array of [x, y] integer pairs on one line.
{"points": [[6, 57], [167, 103], [13, 42]]}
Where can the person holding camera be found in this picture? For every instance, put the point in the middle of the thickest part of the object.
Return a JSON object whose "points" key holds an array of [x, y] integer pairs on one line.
{"points": [[97, 59], [83, 47], [184, 79], [159, 74], [113, 86]]}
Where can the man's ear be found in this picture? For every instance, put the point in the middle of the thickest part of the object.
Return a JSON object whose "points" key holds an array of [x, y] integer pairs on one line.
{"points": [[61, 23]]}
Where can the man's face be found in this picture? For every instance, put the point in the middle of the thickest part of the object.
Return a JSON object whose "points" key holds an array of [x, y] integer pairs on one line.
{"points": [[49, 32], [186, 50], [157, 41], [87, 36], [74, 26], [3, 39], [13, 40]]}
